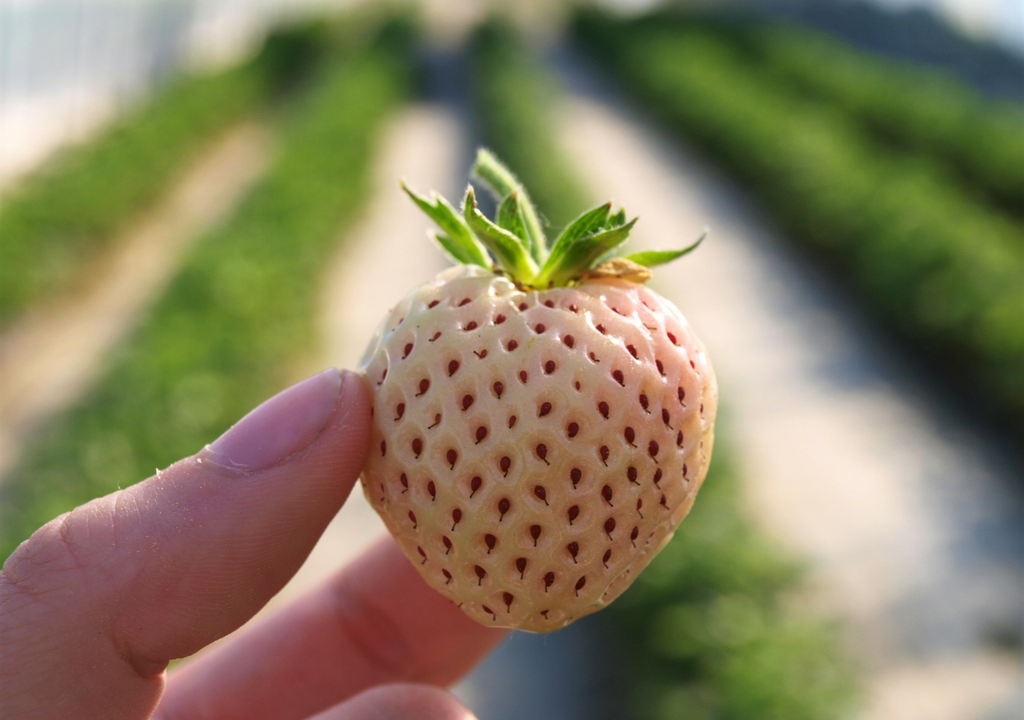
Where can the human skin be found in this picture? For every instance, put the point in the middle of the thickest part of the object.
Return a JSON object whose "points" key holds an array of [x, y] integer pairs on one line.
{"points": [[97, 602]]}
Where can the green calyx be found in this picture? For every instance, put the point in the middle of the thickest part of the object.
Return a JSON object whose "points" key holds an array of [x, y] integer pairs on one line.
{"points": [[514, 244]]}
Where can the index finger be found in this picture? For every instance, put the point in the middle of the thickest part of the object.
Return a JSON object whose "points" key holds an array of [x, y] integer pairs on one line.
{"points": [[376, 622]]}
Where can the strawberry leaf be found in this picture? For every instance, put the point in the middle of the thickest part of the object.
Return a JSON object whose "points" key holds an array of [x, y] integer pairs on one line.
{"points": [[501, 183], [458, 241], [510, 216], [586, 224], [582, 254], [506, 247], [651, 258]]}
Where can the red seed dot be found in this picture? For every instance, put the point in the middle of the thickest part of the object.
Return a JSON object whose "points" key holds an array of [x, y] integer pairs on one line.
{"points": [[606, 493], [549, 303], [456, 517], [652, 448], [489, 611], [436, 336], [521, 566], [539, 328], [412, 516], [417, 447], [499, 388], [630, 435], [523, 306], [569, 341], [609, 525], [682, 394], [408, 349], [481, 574], [545, 409], [432, 489], [499, 319], [433, 303], [451, 456], [453, 367], [535, 533], [437, 421], [383, 448], [508, 598], [600, 328], [632, 350], [422, 552], [631, 474], [424, 386], [512, 345], [672, 339], [405, 482], [481, 354], [660, 366], [572, 430], [593, 357], [448, 575], [665, 416], [619, 377], [574, 549], [684, 469], [447, 544], [511, 422], [633, 535], [541, 493], [465, 301], [657, 476], [467, 401], [490, 541], [471, 325], [542, 452], [573, 308], [505, 463], [523, 376], [474, 485], [679, 439], [664, 502], [400, 411], [504, 505], [574, 512], [602, 407], [607, 557], [549, 580], [639, 504], [644, 402], [481, 433], [604, 454], [580, 583], [549, 367], [576, 385]]}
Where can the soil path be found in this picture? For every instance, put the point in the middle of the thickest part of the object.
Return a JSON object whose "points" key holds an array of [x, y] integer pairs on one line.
{"points": [[377, 264], [49, 357], [907, 519]]}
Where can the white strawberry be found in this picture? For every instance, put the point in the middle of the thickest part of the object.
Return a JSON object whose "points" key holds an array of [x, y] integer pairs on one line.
{"points": [[542, 420]]}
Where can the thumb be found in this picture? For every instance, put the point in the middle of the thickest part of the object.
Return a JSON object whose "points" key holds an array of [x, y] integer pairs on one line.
{"points": [[102, 598]]}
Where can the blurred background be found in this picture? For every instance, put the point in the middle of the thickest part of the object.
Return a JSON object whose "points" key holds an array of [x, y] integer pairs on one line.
{"points": [[199, 206]]}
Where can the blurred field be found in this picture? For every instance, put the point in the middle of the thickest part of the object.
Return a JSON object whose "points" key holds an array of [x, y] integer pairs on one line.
{"points": [[857, 551]]}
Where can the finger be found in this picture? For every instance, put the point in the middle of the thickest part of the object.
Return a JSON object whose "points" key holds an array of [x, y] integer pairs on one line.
{"points": [[400, 702], [377, 622], [95, 603]]}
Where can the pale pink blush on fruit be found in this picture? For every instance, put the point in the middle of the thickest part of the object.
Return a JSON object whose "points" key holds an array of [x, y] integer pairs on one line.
{"points": [[533, 450]]}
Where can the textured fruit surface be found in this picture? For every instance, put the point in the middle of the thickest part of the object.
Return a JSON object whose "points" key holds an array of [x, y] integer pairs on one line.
{"points": [[532, 451]]}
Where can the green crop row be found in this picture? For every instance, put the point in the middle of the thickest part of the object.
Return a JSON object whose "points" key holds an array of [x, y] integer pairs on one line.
{"points": [[704, 632], [57, 219], [930, 260], [240, 311], [905, 106]]}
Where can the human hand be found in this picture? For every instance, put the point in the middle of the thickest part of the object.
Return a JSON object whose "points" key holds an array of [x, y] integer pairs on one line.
{"points": [[98, 601]]}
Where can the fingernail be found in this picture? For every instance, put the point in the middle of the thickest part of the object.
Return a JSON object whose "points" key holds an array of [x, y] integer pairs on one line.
{"points": [[282, 426]]}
